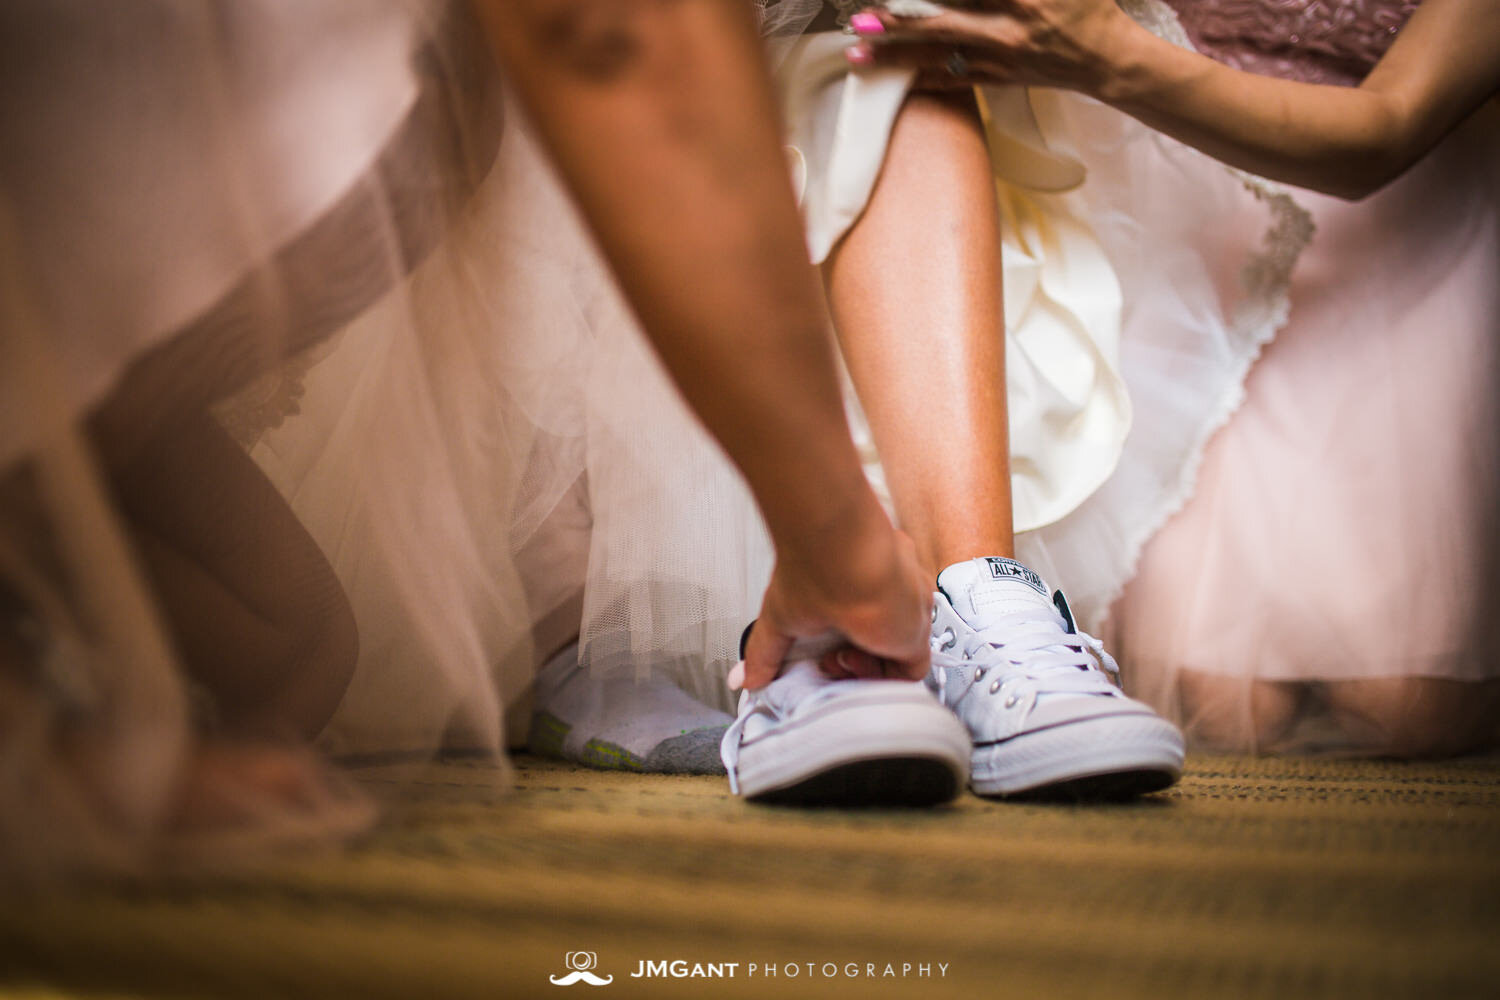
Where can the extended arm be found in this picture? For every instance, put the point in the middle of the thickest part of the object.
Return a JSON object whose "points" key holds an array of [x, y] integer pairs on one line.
{"points": [[660, 117], [1347, 141]]}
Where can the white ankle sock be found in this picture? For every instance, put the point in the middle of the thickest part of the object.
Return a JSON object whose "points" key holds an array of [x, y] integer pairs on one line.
{"points": [[619, 722]]}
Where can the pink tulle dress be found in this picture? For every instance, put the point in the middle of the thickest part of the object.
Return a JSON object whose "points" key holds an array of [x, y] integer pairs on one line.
{"points": [[1330, 583]]}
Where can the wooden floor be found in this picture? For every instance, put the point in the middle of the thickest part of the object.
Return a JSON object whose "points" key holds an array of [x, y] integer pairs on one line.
{"points": [[1265, 878]]}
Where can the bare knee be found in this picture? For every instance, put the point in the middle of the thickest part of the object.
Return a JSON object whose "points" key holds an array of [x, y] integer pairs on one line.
{"points": [[1417, 716], [318, 678], [281, 679], [948, 102]]}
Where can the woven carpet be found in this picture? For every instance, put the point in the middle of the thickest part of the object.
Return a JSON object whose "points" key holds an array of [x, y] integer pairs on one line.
{"points": [[1263, 878]]}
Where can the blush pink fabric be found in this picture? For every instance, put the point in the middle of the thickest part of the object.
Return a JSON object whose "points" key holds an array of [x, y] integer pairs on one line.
{"points": [[1342, 523]]}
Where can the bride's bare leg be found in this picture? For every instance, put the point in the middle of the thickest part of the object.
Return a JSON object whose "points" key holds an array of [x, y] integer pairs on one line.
{"points": [[257, 614], [915, 290]]}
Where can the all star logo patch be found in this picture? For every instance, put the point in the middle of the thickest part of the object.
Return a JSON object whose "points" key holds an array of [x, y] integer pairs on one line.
{"points": [[1001, 569]]}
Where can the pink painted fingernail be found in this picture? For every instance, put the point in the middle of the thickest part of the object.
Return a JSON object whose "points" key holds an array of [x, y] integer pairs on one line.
{"points": [[859, 55], [866, 23]]}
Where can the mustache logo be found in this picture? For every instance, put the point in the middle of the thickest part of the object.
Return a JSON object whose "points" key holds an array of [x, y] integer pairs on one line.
{"points": [[581, 962]]}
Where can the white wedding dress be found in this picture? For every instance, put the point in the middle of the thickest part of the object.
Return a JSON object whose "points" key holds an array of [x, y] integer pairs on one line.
{"points": [[409, 330]]}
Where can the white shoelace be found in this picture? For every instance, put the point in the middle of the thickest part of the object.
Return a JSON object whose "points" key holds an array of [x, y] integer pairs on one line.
{"points": [[729, 746], [1031, 654]]}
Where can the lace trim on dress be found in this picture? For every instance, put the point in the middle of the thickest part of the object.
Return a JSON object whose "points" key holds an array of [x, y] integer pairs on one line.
{"points": [[266, 402], [1266, 278]]}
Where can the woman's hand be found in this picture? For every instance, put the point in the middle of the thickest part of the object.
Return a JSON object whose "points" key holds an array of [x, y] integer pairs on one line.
{"points": [[860, 580], [1058, 43], [1347, 141]]}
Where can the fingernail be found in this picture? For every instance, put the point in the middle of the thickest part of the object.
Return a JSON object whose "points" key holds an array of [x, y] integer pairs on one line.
{"points": [[859, 55], [866, 23], [737, 676], [842, 657]]}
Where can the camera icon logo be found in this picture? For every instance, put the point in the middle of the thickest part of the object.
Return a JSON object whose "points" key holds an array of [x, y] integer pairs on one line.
{"points": [[581, 964]]}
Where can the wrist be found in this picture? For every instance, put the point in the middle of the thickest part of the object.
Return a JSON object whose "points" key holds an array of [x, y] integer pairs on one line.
{"points": [[1121, 60], [838, 522]]}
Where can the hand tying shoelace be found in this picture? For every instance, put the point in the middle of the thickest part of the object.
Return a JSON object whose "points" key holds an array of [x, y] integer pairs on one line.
{"points": [[799, 682], [810, 740]]}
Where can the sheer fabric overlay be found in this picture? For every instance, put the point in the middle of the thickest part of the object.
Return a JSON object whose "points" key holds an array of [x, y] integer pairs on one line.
{"points": [[1330, 583], [198, 204], [322, 422], [461, 451]]}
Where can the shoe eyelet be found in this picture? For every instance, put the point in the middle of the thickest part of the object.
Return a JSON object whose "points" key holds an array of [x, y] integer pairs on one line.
{"points": [[996, 687], [1010, 701], [979, 673], [949, 640]]}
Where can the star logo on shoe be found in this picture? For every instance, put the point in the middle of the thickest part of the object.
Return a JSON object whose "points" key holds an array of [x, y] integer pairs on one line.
{"points": [[1002, 569]]}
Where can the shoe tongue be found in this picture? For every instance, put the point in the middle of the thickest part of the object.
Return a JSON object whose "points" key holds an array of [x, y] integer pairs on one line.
{"points": [[982, 589]]}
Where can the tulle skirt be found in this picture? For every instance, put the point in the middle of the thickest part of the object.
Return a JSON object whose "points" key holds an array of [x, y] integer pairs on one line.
{"points": [[1343, 525], [200, 203], [592, 503], [464, 452]]}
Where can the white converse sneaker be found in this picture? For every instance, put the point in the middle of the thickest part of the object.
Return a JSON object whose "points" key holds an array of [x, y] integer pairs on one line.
{"points": [[807, 740], [1029, 686]]}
